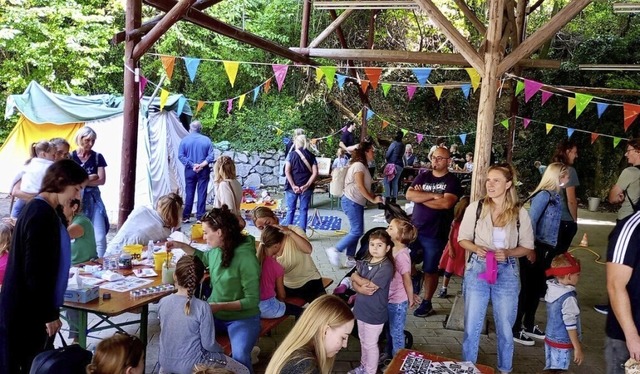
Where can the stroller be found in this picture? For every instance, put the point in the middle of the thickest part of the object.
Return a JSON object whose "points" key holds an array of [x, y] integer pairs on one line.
{"points": [[346, 293]]}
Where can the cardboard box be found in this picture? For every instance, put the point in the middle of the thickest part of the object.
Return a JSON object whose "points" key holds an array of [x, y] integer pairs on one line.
{"points": [[81, 295]]}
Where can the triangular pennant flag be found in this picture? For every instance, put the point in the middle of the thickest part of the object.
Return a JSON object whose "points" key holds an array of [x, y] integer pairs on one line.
{"points": [[594, 136], [570, 131], [616, 141], [505, 123], [411, 90], [530, 89], [370, 114], [364, 84], [167, 63], [267, 85], [631, 112], [404, 132], [385, 88], [601, 108], [143, 84], [319, 75], [549, 127], [463, 138], [341, 78], [199, 106], [374, 76], [164, 95], [438, 91], [229, 106], [466, 88], [582, 101], [280, 72], [546, 95], [419, 138], [475, 78], [216, 109], [329, 74], [231, 67], [384, 124], [255, 93], [422, 74], [519, 87], [279, 131], [571, 103], [525, 122], [192, 66], [181, 101], [241, 101]]}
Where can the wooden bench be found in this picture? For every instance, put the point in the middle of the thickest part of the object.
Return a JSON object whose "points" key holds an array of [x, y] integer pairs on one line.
{"points": [[266, 325]]}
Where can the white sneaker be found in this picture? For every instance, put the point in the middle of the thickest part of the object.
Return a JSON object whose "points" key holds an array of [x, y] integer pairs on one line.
{"points": [[334, 256], [255, 351], [350, 262]]}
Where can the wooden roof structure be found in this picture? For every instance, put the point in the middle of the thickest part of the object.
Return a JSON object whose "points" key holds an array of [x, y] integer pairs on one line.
{"points": [[505, 47]]}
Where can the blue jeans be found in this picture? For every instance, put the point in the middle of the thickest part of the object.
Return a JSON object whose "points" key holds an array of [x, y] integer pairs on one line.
{"points": [[391, 186], [616, 354], [291, 199], [94, 209], [432, 249], [243, 335], [355, 214], [504, 299], [397, 319], [191, 181], [17, 207]]}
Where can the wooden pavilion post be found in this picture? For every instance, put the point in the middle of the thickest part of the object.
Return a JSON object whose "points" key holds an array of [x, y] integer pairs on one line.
{"points": [[306, 15]]}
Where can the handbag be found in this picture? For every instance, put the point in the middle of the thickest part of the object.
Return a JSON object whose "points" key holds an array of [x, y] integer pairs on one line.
{"points": [[68, 359]]}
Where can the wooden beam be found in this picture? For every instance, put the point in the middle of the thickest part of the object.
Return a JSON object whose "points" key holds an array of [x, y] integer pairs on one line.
{"points": [[306, 15], [201, 19], [521, 17], [331, 28], [459, 42], [531, 44], [174, 15], [454, 59], [372, 28], [471, 16]]}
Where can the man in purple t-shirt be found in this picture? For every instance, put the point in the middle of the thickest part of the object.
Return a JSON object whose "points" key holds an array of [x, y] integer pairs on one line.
{"points": [[434, 194]]}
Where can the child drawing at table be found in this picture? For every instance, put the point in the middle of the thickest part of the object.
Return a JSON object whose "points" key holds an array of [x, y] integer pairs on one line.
{"points": [[371, 281], [453, 257], [272, 292], [6, 232], [187, 332]]}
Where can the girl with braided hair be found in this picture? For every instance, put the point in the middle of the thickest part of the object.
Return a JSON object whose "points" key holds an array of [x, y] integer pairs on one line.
{"points": [[187, 333], [235, 280]]}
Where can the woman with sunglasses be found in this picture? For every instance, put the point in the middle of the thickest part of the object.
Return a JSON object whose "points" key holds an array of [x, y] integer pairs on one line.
{"points": [[496, 233], [235, 280]]}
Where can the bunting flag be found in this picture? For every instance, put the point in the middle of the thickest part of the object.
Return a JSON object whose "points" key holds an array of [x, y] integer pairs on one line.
{"points": [[530, 88], [216, 109], [231, 67], [549, 127], [384, 124], [631, 112], [341, 78], [505, 123], [601, 108], [191, 64], [280, 72], [319, 75], [419, 138], [404, 132], [570, 131], [616, 141], [519, 87], [199, 106], [422, 74], [370, 113], [438, 91], [279, 131], [364, 84], [594, 136], [525, 122], [373, 74], [143, 84], [582, 101], [255, 93], [267, 85], [164, 95], [385, 88], [241, 101], [329, 73], [411, 90], [546, 96], [167, 63], [463, 138], [229, 106], [181, 101], [475, 78], [465, 90], [571, 103]]}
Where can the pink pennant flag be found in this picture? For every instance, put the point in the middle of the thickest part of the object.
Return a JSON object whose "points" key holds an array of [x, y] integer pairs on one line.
{"points": [[419, 138], [229, 106], [530, 89], [281, 72], [410, 91], [546, 96], [525, 122], [143, 84]]}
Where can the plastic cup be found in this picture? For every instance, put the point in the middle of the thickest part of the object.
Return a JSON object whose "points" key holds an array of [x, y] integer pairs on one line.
{"points": [[196, 231], [159, 258], [135, 250], [167, 274]]}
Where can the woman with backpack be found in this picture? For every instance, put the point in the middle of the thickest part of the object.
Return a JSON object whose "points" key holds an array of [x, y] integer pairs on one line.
{"points": [[545, 214]]}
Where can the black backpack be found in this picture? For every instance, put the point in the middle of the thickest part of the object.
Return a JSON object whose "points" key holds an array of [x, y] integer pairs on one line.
{"points": [[635, 206], [69, 359]]}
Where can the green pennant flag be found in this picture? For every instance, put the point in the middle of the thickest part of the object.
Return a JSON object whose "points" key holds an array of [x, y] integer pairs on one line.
{"points": [[216, 109], [505, 123], [329, 73], [519, 87], [581, 102], [616, 141], [404, 132], [385, 88]]}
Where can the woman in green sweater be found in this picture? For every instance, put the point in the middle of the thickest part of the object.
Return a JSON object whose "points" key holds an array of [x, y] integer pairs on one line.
{"points": [[235, 280]]}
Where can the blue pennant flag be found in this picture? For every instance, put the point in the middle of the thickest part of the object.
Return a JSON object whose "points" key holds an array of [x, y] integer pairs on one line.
{"points": [[466, 88], [570, 131], [181, 101], [341, 78], [255, 93], [286, 140], [463, 138], [601, 108], [370, 114], [192, 66], [422, 74]]}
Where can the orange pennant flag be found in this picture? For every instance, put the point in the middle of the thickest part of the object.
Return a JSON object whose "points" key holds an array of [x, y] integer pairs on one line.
{"points": [[631, 112], [365, 85], [385, 124], [167, 63], [267, 85], [200, 105], [374, 76], [594, 136]]}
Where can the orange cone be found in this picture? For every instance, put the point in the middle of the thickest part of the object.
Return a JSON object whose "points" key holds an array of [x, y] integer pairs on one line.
{"points": [[584, 242]]}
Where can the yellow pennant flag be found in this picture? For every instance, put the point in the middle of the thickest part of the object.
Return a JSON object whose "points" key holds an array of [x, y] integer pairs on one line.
{"points": [[164, 95], [200, 105], [571, 104], [475, 78], [438, 91], [319, 75], [279, 131], [167, 63], [241, 101], [385, 124], [549, 127], [231, 67]]}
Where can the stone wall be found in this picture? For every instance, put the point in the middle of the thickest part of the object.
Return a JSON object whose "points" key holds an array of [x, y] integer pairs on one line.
{"points": [[263, 169]]}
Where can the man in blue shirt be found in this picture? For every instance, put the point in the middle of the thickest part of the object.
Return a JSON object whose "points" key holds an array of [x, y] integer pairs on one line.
{"points": [[196, 154]]}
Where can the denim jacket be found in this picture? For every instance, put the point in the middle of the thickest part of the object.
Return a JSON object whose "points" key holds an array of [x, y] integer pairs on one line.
{"points": [[545, 214], [556, 330]]}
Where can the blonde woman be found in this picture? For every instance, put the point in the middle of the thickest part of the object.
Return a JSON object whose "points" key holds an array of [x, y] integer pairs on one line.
{"points": [[228, 189], [503, 233], [312, 344]]}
